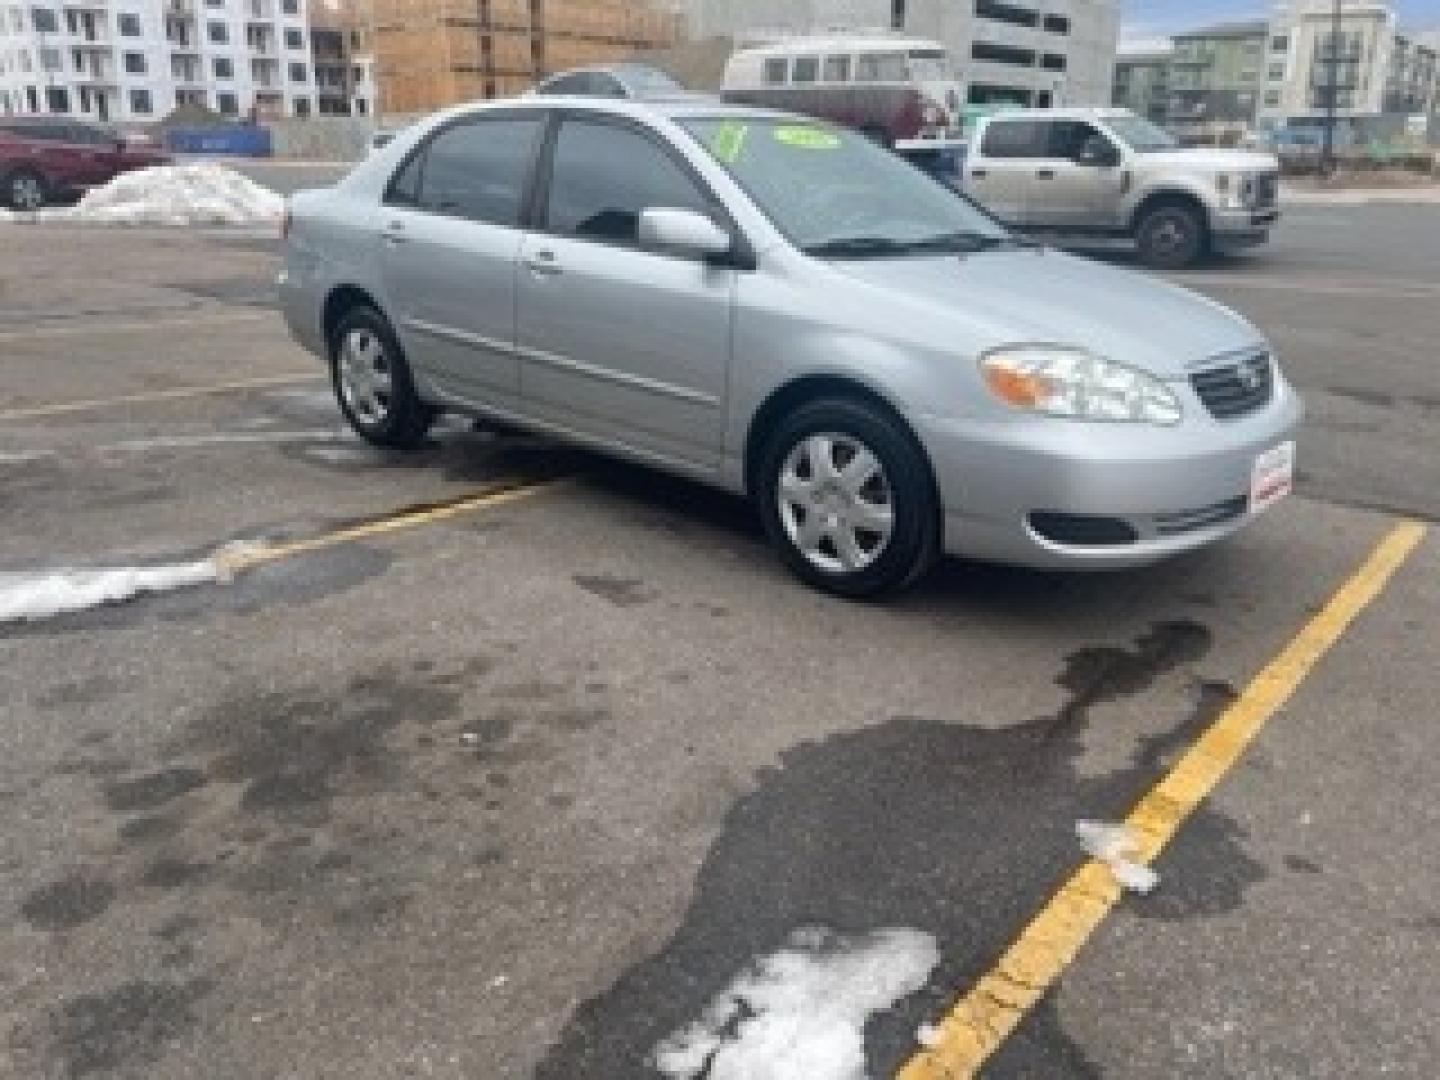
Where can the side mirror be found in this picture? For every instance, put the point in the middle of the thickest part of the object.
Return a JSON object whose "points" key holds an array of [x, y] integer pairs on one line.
{"points": [[1098, 153], [682, 230]]}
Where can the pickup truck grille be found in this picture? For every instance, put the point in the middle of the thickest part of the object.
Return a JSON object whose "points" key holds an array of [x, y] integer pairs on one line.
{"points": [[1267, 190], [1238, 388]]}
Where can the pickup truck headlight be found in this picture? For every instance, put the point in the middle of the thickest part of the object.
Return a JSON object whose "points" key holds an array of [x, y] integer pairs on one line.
{"points": [[1073, 383], [1239, 190]]}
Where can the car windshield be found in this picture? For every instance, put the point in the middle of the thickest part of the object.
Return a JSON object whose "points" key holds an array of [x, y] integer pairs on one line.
{"points": [[1141, 135], [833, 192]]}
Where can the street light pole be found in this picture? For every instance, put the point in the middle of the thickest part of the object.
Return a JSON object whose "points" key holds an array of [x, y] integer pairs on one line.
{"points": [[1332, 97]]}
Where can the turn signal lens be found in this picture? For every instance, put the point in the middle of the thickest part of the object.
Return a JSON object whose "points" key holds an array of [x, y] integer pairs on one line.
{"points": [[1056, 380]]}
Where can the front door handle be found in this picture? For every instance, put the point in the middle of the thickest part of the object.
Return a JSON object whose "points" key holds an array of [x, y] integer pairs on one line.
{"points": [[394, 233], [543, 264], [979, 174], [1045, 174]]}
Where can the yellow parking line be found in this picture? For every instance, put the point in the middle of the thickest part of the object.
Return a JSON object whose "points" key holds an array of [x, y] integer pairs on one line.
{"points": [[177, 394], [409, 518], [92, 329], [981, 1021]]}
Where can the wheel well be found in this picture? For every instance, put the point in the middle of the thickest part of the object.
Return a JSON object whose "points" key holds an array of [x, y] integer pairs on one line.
{"points": [[793, 395], [340, 303], [1170, 198]]}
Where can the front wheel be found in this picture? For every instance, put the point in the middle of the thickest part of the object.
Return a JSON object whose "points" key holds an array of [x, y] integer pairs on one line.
{"points": [[847, 498], [1171, 236], [25, 189], [373, 384]]}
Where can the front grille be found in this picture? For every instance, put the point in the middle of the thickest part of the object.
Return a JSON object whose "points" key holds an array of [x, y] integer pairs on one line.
{"points": [[1267, 190], [1237, 388], [1191, 520]]}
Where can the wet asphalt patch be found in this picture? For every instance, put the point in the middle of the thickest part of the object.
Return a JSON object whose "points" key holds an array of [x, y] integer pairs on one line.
{"points": [[958, 831]]}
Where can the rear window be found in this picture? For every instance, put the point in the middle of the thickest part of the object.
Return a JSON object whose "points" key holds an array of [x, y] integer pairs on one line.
{"points": [[1016, 139]]}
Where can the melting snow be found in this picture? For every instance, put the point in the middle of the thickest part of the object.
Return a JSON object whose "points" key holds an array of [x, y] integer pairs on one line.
{"points": [[41, 594], [801, 1012], [202, 194], [1113, 845]]}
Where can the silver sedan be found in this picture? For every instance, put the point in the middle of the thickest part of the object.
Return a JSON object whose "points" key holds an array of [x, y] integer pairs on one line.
{"points": [[780, 308]]}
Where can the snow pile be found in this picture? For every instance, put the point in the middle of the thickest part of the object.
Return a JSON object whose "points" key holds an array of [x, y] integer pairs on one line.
{"points": [[802, 1011], [42, 594], [1113, 845], [203, 194]]}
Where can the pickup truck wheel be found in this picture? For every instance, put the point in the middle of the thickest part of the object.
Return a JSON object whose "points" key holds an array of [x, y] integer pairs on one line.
{"points": [[1171, 236], [373, 383], [846, 496], [25, 189]]}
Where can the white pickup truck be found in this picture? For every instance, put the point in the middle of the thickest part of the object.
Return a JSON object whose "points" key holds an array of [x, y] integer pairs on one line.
{"points": [[1108, 174]]}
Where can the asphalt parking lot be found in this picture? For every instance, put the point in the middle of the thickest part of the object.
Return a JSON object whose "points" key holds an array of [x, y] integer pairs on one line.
{"points": [[463, 785]]}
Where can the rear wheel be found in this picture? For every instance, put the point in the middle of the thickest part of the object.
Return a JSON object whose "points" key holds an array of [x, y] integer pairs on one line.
{"points": [[846, 497], [1171, 236], [373, 384], [26, 189]]}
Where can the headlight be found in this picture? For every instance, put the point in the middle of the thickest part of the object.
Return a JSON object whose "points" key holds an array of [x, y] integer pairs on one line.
{"points": [[1060, 381]]}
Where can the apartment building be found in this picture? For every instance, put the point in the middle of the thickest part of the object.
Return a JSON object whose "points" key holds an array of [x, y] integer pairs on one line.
{"points": [[341, 51], [1216, 74], [139, 60], [1051, 52], [1142, 78]]}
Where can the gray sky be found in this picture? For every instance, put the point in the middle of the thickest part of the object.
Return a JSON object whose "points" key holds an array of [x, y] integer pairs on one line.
{"points": [[1150, 18]]}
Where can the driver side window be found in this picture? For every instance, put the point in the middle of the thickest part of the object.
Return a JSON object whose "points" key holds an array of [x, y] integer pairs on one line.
{"points": [[1069, 137], [603, 176]]}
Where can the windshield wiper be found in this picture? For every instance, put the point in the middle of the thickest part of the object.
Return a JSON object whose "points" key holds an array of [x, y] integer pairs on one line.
{"points": [[885, 246]]}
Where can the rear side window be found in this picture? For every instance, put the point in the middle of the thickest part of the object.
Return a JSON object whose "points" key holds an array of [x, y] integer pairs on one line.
{"points": [[837, 69], [775, 71], [807, 69], [882, 67], [474, 170], [1016, 139], [603, 176]]}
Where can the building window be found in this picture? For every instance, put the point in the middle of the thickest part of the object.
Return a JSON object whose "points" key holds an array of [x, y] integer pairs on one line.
{"points": [[227, 104], [1277, 72], [1272, 98], [224, 67], [775, 69], [140, 102], [57, 99], [49, 59], [1280, 43], [129, 25], [302, 106], [837, 69], [1002, 54], [361, 107], [998, 11], [294, 39], [134, 63], [1053, 62], [807, 69], [299, 73], [897, 14], [1057, 24], [218, 33], [290, 7], [45, 22]]}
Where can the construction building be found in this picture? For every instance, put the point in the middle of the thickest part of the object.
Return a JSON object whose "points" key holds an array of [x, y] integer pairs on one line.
{"points": [[433, 53]]}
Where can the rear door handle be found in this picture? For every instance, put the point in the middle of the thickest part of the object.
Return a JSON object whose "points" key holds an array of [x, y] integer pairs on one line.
{"points": [[1045, 174], [979, 174], [394, 233], [543, 264]]}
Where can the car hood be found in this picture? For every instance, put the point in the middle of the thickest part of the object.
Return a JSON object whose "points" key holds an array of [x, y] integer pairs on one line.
{"points": [[1229, 161], [1046, 297]]}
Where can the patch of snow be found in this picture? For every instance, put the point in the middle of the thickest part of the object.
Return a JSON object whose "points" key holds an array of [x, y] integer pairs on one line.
{"points": [[28, 595], [201, 194], [1113, 845], [801, 1012]]}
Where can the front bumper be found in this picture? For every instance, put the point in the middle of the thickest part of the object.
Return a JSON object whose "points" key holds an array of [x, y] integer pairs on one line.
{"points": [[1231, 228], [1173, 489]]}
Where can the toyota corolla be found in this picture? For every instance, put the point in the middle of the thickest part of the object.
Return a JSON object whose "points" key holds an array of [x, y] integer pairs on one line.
{"points": [[781, 308]]}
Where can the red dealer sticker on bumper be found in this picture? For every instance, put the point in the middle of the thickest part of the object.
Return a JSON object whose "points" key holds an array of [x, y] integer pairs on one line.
{"points": [[1273, 477]]}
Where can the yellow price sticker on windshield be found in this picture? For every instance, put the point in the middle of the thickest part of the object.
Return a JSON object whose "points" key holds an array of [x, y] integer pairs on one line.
{"points": [[729, 141], [807, 138]]}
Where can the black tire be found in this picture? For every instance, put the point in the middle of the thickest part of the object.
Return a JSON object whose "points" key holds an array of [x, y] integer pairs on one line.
{"points": [[36, 192], [1171, 236], [914, 541], [406, 418]]}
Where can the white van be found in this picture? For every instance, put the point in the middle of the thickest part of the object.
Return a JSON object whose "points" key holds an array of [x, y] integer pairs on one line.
{"points": [[900, 91]]}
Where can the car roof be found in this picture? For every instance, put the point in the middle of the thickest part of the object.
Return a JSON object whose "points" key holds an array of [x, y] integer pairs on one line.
{"points": [[637, 108], [841, 43], [1073, 113]]}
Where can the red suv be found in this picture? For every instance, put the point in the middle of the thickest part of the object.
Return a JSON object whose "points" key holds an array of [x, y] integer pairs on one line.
{"points": [[44, 159]]}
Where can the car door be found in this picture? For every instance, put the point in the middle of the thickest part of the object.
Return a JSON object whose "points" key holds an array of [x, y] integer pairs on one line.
{"points": [[98, 152], [450, 233], [617, 341], [1001, 176], [1068, 194]]}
